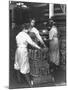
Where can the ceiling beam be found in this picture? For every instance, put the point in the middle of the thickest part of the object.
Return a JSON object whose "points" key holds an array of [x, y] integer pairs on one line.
{"points": [[40, 5]]}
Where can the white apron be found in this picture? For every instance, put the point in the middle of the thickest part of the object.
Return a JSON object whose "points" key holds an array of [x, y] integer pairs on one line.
{"points": [[21, 55], [54, 46], [21, 60]]}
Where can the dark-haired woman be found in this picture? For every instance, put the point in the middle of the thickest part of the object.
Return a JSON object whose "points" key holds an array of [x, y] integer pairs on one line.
{"points": [[21, 55], [53, 46]]}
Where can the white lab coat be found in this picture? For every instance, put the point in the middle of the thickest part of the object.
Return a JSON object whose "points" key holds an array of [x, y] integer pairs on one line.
{"points": [[21, 55]]}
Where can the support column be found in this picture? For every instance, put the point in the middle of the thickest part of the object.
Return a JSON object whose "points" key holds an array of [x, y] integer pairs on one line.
{"points": [[51, 10], [11, 7]]}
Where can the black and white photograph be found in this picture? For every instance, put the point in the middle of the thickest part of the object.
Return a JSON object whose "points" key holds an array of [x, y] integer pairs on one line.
{"points": [[37, 44]]}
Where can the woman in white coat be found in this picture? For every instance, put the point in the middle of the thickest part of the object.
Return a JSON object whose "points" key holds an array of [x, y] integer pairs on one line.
{"points": [[53, 46], [21, 55]]}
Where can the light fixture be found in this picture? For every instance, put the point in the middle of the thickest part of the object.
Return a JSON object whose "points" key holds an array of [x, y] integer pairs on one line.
{"points": [[23, 5], [20, 4]]}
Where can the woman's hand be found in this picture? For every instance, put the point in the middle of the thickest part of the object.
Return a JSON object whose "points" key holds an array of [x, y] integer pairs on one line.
{"points": [[45, 39], [40, 48]]}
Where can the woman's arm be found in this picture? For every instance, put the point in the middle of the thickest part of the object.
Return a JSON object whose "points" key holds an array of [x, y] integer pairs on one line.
{"points": [[31, 42], [36, 32]]}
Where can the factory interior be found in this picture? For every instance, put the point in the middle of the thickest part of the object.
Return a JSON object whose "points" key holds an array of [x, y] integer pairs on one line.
{"points": [[20, 13]]}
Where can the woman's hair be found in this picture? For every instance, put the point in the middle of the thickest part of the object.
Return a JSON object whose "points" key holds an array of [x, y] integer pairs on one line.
{"points": [[50, 23], [32, 19], [25, 26]]}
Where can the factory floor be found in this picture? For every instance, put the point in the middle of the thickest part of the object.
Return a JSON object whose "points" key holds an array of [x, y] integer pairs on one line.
{"points": [[59, 77]]}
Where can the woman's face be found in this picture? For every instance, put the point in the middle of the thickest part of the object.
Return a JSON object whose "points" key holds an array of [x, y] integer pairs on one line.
{"points": [[49, 27], [32, 22], [25, 30]]}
